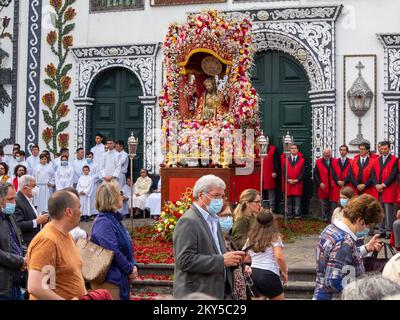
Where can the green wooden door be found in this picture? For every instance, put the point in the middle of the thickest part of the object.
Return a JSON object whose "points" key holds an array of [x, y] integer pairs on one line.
{"points": [[283, 86], [117, 109]]}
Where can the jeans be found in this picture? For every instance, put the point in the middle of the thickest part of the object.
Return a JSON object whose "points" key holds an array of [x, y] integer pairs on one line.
{"points": [[396, 232], [294, 206], [327, 208], [271, 198], [15, 295]]}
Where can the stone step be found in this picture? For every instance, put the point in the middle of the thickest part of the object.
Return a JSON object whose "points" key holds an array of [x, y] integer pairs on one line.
{"points": [[293, 289]]}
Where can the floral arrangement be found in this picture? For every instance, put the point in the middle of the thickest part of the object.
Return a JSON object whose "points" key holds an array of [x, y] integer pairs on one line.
{"points": [[58, 80], [171, 213], [228, 36]]}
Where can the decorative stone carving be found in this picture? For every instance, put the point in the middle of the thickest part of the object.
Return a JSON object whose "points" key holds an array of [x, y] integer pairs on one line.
{"points": [[33, 73], [141, 60], [391, 94]]}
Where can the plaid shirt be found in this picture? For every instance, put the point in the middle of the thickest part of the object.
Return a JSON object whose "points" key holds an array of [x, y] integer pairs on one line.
{"points": [[337, 248]]}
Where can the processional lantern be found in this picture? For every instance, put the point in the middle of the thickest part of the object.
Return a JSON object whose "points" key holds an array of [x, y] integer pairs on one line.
{"points": [[132, 146], [287, 143], [262, 143]]}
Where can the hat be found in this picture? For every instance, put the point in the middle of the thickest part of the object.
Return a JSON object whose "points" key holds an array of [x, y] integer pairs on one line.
{"points": [[392, 269], [211, 66]]}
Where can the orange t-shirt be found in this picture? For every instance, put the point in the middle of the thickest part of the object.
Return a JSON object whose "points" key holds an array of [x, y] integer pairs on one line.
{"points": [[52, 248]]}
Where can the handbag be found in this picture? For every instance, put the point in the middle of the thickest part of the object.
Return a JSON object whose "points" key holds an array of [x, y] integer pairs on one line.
{"points": [[375, 264], [96, 261]]}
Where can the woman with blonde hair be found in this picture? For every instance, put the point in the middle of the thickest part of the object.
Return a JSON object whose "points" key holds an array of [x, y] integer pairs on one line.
{"points": [[109, 233], [268, 263], [248, 208]]}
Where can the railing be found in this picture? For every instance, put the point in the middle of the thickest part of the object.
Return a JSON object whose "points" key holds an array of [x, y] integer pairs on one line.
{"points": [[115, 5]]}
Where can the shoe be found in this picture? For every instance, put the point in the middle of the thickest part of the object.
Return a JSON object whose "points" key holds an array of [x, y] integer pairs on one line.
{"points": [[297, 217]]}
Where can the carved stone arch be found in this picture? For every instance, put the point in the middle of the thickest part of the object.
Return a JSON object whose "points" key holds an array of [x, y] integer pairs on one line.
{"points": [[307, 34], [141, 61]]}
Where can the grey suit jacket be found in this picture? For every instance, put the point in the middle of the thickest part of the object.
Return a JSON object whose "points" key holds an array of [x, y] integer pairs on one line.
{"points": [[198, 265]]}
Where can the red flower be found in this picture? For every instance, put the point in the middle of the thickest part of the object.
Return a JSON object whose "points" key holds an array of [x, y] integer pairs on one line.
{"points": [[69, 14], [65, 83], [47, 134], [62, 110], [56, 4], [68, 41], [49, 99], [52, 37], [51, 70], [63, 140]]}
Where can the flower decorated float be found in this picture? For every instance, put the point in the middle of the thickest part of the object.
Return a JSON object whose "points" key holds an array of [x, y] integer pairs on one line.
{"points": [[208, 104], [207, 91]]}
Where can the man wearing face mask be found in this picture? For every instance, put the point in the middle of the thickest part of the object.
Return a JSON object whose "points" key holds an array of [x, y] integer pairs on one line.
{"points": [[12, 247], [28, 219], [202, 263]]}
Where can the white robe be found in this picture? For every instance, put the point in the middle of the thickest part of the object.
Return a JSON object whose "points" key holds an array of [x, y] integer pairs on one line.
{"points": [[43, 174], [124, 160], [126, 190], [55, 163], [142, 187], [85, 184], [98, 150], [78, 165], [110, 166], [153, 202], [32, 162], [64, 177], [94, 173]]}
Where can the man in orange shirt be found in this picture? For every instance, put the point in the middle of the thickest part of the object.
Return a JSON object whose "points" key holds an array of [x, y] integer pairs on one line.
{"points": [[54, 263]]}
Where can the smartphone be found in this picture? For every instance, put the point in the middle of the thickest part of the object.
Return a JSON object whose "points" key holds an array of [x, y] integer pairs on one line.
{"points": [[248, 248]]}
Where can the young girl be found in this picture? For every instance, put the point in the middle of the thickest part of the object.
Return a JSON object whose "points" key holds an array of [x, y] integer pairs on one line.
{"points": [[267, 261]]}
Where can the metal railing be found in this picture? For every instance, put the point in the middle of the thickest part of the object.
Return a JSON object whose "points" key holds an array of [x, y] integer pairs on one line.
{"points": [[115, 5]]}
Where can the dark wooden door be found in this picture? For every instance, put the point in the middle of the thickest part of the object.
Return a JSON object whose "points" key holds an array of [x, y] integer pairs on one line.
{"points": [[283, 86], [117, 109]]}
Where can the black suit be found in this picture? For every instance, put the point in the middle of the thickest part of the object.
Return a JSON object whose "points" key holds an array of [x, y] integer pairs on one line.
{"points": [[24, 215]]}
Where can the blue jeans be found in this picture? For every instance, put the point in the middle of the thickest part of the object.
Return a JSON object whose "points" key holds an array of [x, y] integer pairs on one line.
{"points": [[15, 295]]}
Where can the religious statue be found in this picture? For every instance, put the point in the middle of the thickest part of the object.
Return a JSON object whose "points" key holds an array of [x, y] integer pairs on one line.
{"points": [[211, 102]]}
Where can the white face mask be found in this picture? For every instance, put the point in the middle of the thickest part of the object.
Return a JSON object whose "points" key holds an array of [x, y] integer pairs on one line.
{"points": [[35, 191]]}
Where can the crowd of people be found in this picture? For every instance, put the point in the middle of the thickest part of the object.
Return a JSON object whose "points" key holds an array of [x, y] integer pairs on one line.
{"points": [[84, 173]]}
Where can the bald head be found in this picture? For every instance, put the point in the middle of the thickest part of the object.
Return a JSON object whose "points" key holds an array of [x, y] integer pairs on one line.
{"points": [[327, 153]]}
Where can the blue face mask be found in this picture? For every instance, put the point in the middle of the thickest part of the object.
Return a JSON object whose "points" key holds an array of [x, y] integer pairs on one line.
{"points": [[18, 159], [89, 160], [343, 202], [226, 224], [362, 234], [64, 163], [215, 205], [9, 209]]}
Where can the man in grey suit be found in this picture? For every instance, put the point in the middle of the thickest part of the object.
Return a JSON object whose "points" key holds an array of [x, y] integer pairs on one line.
{"points": [[202, 263]]}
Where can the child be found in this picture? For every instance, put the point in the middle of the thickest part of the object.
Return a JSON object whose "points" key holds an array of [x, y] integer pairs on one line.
{"points": [[267, 261], [64, 174], [85, 189], [126, 193]]}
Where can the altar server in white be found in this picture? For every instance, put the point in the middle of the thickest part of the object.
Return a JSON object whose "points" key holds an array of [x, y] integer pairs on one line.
{"points": [[78, 164], [153, 202], [98, 150], [110, 164], [64, 176], [124, 160], [45, 180], [33, 160], [94, 173], [85, 189], [126, 193]]}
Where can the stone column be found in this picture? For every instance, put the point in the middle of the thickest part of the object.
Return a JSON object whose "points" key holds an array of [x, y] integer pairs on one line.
{"points": [[149, 127], [83, 121], [323, 106], [392, 103]]}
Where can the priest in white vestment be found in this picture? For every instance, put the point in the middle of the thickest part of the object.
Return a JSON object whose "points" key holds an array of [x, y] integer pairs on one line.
{"points": [[153, 202], [98, 150], [45, 180], [64, 176], [124, 160], [142, 188], [33, 160], [78, 164], [85, 189], [110, 166]]}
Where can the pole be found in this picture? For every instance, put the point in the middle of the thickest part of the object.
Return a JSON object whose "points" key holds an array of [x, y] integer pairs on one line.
{"points": [[131, 210], [261, 180], [286, 206]]}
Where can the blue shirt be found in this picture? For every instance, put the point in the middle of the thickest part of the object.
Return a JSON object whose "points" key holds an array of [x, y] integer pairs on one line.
{"points": [[212, 221]]}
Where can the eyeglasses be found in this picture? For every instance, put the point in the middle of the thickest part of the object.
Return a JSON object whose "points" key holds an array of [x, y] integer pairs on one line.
{"points": [[258, 201], [223, 197]]}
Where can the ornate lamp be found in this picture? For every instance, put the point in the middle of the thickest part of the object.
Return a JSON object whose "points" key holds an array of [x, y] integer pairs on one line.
{"points": [[132, 148], [287, 143], [262, 144]]}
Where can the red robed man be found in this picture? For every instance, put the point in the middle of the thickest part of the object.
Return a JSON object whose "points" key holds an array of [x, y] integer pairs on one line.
{"points": [[322, 178], [361, 171], [294, 186], [270, 174], [384, 177], [340, 173]]}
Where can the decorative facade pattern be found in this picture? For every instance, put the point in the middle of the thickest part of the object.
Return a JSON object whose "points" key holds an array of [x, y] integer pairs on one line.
{"points": [[391, 94], [307, 34], [141, 60], [33, 74]]}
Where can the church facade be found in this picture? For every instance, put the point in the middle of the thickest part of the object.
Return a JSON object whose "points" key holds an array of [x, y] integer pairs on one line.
{"points": [[328, 74]]}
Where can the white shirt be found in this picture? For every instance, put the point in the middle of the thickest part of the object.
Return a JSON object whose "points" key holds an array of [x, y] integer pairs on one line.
{"points": [[266, 260], [124, 160], [56, 163], [363, 159], [111, 165], [343, 160], [98, 151], [78, 165], [32, 162], [34, 209]]}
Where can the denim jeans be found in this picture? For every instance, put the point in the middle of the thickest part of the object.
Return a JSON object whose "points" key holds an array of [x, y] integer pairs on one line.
{"points": [[15, 295], [294, 206]]}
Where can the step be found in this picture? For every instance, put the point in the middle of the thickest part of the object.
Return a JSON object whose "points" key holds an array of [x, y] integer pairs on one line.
{"points": [[292, 290]]}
